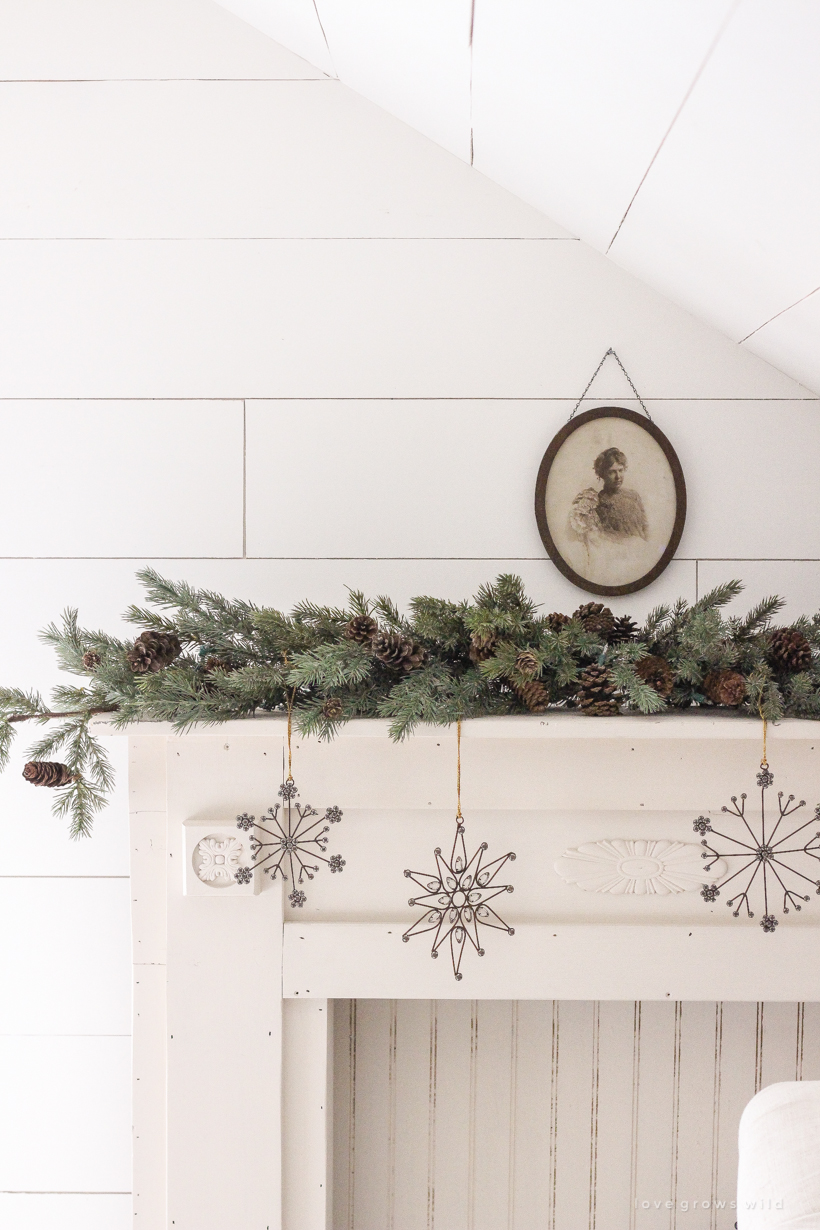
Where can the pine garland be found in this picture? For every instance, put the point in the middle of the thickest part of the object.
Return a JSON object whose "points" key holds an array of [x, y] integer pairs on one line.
{"points": [[441, 662]]}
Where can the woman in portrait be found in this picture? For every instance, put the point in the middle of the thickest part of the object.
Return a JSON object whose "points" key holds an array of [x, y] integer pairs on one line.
{"points": [[609, 520]]}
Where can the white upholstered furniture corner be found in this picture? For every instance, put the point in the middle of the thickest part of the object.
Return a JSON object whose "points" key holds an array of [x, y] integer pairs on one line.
{"points": [[778, 1183]]}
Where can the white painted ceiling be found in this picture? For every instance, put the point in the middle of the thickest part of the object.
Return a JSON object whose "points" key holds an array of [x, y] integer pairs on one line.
{"points": [[681, 138]]}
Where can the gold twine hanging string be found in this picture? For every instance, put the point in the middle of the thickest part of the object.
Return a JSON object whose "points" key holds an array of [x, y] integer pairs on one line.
{"points": [[764, 764], [458, 769], [289, 699], [290, 731]]}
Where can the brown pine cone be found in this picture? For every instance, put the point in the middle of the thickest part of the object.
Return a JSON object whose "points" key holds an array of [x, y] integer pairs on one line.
{"points": [[332, 708], [534, 695], [214, 663], [556, 621], [91, 660], [213, 666], [596, 618], [657, 673], [624, 629], [595, 693], [47, 773], [789, 651], [482, 647], [153, 651], [527, 663], [725, 687], [398, 654], [363, 629]]}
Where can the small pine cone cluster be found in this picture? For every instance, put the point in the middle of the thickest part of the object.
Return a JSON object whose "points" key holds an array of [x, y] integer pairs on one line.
{"points": [[624, 629], [397, 652], [482, 646], [725, 687], [657, 673], [556, 621], [152, 652], [533, 694], [91, 659], [213, 663], [526, 663], [47, 773], [788, 651], [596, 618], [332, 708], [595, 695], [362, 629]]}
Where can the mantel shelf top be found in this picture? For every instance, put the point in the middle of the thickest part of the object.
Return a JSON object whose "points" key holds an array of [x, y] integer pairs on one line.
{"points": [[555, 725]]}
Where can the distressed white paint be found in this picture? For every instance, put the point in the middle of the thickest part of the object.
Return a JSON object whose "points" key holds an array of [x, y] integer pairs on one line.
{"points": [[307, 1114]]}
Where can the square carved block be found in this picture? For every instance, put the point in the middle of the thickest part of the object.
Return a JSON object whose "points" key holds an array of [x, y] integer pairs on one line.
{"points": [[214, 853]]}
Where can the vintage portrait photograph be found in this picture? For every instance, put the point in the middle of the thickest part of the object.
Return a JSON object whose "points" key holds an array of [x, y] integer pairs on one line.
{"points": [[610, 501]]}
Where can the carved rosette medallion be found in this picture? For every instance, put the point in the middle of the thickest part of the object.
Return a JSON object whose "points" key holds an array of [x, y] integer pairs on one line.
{"points": [[644, 868], [216, 860]]}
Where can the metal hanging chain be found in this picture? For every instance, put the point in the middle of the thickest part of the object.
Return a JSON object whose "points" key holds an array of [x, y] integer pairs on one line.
{"points": [[459, 816], [628, 377]]}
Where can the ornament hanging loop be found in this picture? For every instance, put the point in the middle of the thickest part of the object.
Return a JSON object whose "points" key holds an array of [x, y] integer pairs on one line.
{"points": [[764, 764], [595, 373]]}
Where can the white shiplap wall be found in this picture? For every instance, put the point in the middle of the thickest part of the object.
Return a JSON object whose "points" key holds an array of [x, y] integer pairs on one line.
{"points": [[259, 334], [494, 1115]]}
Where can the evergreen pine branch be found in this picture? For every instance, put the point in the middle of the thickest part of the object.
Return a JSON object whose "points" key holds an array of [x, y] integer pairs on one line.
{"points": [[656, 621], [639, 694], [440, 623], [6, 740], [17, 704], [330, 666], [434, 695], [760, 616], [358, 603], [719, 596], [389, 614]]}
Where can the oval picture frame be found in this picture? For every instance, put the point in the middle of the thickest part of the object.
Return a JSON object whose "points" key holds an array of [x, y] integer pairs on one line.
{"points": [[610, 501]]}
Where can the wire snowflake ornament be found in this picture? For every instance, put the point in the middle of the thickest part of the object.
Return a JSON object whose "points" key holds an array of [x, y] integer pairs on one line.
{"points": [[763, 855], [456, 895], [455, 899], [287, 844]]}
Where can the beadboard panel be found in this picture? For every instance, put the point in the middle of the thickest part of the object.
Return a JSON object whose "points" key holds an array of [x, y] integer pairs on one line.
{"points": [[348, 318], [51, 40], [563, 1114], [483, 504], [243, 159]]}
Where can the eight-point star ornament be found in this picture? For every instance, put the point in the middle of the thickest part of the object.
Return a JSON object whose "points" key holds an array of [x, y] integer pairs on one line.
{"points": [[455, 899], [287, 844]]}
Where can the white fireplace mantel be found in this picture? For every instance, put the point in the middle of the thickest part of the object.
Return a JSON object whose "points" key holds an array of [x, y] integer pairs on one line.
{"points": [[233, 997]]}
